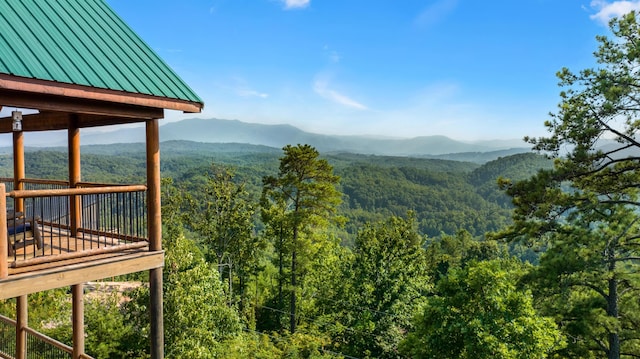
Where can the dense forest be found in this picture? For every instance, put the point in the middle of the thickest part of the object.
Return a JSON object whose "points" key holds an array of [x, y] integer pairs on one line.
{"points": [[223, 250], [291, 253]]}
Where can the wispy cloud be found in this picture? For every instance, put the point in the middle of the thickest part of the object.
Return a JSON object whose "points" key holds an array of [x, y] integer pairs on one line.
{"points": [[246, 92], [333, 56], [435, 12], [321, 87], [242, 88], [608, 10], [296, 4]]}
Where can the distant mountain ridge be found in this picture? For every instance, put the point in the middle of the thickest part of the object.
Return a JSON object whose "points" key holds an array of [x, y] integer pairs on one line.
{"points": [[277, 136], [233, 131]]}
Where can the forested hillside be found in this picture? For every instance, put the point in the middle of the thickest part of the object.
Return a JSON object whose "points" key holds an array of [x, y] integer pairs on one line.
{"points": [[446, 196], [364, 256]]}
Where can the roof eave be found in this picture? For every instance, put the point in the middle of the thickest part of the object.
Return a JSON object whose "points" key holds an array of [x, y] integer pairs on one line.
{"points": [[29, 85]]}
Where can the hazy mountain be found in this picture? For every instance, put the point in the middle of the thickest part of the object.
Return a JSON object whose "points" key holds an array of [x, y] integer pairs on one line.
{"points": [[233, 131], [277, 136]]}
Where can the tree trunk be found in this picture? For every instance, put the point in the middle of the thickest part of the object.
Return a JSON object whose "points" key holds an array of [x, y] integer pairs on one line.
{"points": [[292, 309], [612, 309], [280, 278]]}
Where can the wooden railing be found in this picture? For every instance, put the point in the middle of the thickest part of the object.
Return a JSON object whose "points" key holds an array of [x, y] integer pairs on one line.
{"points": [[66, 223], [38, 345]]}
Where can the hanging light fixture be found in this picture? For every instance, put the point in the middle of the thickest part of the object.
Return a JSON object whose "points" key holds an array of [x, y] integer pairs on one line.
{"points": [[17, 120]]}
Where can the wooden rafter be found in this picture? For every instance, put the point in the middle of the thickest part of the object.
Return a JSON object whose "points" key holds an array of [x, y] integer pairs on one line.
{"points": [[52, 120]]}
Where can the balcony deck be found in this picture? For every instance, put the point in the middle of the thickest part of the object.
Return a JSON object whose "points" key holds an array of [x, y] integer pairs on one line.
{"points": [[109, 240]]}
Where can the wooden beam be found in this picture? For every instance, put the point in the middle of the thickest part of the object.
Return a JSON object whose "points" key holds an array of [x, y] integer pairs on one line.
{"points": [[98, 121], [155, 311], [4, 239], [18, 167], [153, 185], [49, 102], [49, 121], [38, 281], [77, 320], [71, 257], [75, 176], [45, 121], [76, 191], [34, 87], [155, 238], [22, 322]]}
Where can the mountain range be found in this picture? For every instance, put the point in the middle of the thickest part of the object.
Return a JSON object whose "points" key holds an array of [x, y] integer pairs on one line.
{"points": [[234, 131]]}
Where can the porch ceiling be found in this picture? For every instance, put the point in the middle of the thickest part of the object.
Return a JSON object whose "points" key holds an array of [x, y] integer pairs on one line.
{"points": [[59, 113]]}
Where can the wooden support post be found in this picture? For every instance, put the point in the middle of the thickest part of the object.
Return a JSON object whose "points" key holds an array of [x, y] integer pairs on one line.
{"points": [[155, 311], [4, 239], [155, 237], [153, 185], [74, 173], [22, 317], [18, 167], [77, 320]]}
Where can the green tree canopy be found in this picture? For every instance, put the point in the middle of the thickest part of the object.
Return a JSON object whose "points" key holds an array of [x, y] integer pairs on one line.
{"points": [[302, 198], [384, 285], [583, 213], [478, 312]]}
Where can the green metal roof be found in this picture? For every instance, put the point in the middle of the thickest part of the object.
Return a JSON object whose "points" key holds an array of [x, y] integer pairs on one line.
{"points": [[82, 42]]}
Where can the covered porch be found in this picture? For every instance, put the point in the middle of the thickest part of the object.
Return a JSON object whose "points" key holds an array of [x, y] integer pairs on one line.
{"points": [[60, 228], [60, 71], [64, 233]]}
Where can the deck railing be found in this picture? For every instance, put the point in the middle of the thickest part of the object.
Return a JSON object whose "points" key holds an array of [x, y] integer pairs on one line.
{"points": [[38, 345], [7, 337], [54, 222]]}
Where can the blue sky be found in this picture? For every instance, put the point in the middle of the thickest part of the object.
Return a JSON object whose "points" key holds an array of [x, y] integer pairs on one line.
{"points": [[466, 69]]}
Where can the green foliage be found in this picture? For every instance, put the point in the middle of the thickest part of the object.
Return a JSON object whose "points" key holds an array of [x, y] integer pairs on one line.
{"points": [[384, 285], [197, 317], [222, 215], [193, 332], [583, 212], [516, 168], [191, 284], [452, 252], [478, 312], [588, 278], [357, 300], [105, 327], [297, 203], [443, 202]]}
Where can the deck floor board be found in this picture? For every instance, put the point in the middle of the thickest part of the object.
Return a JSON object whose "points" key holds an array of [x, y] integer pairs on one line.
{"points": [[57, 241]]}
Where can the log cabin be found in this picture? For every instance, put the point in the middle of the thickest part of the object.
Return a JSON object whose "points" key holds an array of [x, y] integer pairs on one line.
{"points": [[71, 65]]}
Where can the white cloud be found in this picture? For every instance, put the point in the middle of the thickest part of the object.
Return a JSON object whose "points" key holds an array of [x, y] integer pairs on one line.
{"points": [[608, 10], [296, 4], [241, 87], [321, 87], [246, 92]]}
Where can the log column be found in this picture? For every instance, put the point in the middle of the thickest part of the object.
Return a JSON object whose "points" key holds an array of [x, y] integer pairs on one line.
{"points": [[18, 168], [21, 324], [155, 237], [77, 320], [75, 216], [74, 173], [4, 243]]}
